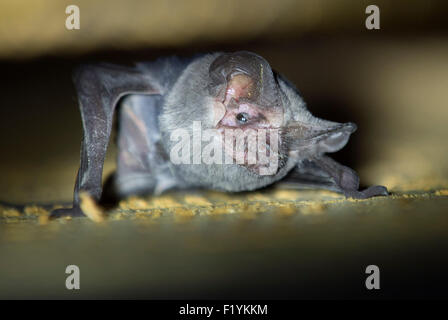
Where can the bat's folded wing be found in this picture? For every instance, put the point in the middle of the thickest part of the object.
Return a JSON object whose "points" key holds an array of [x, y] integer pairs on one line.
{"points": [[99, 88]]}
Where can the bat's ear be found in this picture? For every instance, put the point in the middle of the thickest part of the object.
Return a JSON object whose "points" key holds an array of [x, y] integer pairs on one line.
{"points": [[244, 75], [320, 138]]}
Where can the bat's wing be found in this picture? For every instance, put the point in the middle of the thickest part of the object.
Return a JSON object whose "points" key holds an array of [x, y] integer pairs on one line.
{"points": [[308, 175], [142, 164], [99, 88], [325, 173]]}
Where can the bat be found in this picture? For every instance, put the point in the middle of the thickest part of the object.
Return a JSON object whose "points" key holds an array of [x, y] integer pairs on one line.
{"points": [[215, 94]]}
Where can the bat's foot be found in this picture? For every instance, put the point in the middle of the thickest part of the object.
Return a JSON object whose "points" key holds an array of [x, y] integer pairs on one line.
{"points": [[373, 191], [66, 212]]}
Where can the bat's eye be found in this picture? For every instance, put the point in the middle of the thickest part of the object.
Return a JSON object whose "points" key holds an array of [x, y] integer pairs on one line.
{"points": [[242, 117]]}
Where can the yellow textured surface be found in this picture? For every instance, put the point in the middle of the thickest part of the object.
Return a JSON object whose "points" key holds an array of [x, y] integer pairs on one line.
{"points": [[182, 206]]}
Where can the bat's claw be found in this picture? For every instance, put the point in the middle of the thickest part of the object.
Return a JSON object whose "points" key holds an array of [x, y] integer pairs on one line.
{"points": [[373, 191], [66, 212]]}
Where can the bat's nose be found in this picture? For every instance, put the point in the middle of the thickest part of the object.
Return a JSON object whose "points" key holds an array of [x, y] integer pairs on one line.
{"points": [[329, 137], [336, 138], [350, 127], [337, 130]]}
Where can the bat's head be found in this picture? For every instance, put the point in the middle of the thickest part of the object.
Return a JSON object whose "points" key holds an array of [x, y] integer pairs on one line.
{"points": [[246, 92], [249, 96], [247, 104]]}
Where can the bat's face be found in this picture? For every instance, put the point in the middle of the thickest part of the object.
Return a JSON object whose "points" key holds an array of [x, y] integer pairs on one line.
{"points": [[247, 108], [248, 97]]}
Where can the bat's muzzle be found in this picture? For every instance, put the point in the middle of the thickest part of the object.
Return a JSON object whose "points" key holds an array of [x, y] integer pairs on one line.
{"points": [[321, 139]]}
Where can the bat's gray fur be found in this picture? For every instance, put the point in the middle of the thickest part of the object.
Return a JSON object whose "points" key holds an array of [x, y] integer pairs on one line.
{"points": [[170, 93]]}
